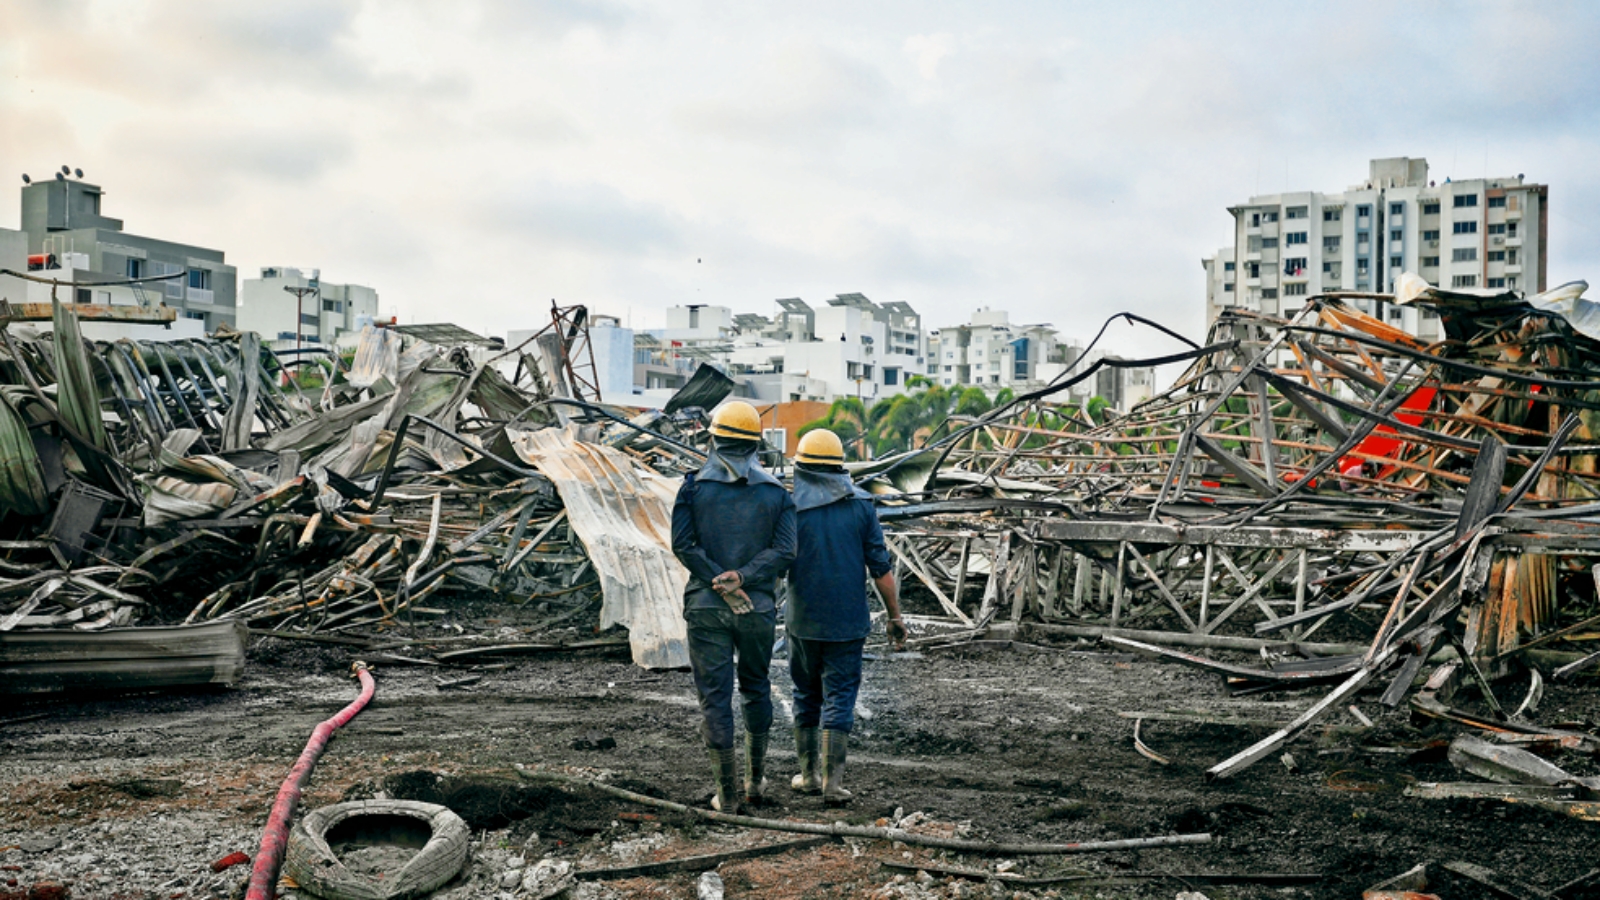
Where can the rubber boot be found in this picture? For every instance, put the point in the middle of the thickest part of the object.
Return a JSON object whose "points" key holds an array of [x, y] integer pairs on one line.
{"points": [[755, 767], [807, 741], [725, 768], [834, 746]]}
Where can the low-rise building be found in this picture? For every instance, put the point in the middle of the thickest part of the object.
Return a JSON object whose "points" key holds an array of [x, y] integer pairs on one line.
{"points": [[71, 238], [287, 306]]}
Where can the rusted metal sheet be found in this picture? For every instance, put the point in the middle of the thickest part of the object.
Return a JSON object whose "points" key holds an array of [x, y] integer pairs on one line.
{"points": [[41, 312], [624, 518]]}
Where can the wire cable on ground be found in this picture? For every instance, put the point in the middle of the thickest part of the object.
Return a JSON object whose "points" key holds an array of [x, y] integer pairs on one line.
{"points": [[275, 839], [840, 829]]}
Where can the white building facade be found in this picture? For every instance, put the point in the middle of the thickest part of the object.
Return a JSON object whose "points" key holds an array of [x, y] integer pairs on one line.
{"points": [[287, 304], [1485, 234]]}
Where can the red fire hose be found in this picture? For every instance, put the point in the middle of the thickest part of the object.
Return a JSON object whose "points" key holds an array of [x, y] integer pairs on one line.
{"points": [[264, 877]]}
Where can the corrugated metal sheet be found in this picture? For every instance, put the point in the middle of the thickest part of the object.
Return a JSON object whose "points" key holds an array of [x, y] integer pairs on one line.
{"points": [[624, 518]]}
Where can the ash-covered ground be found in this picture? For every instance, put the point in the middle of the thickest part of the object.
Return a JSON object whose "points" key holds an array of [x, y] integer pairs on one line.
{"points": [[137, 797]]}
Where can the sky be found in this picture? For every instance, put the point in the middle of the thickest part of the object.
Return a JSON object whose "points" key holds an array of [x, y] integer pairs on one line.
{"points": [[473, 161]]}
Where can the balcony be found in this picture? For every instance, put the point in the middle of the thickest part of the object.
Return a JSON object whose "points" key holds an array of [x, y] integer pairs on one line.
{"points": [[201, 295]]}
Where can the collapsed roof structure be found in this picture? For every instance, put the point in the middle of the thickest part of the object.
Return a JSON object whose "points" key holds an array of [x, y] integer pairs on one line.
{"points": [[1323, 487]]}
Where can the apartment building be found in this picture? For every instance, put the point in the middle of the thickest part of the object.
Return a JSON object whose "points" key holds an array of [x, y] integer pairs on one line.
{"points": [[71, 239], [849, 347], [988, 351], [288, 305], [1487, 234]]}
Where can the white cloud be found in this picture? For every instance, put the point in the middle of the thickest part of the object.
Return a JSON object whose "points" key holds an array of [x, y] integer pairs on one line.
{"points": [[1062, 161], [927, 50]]}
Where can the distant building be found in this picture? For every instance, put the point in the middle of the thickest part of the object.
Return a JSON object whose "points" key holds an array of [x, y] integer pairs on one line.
{"points": [[852, 347], [989, 352], [70, 237], [1485, 234], [270, 306]]}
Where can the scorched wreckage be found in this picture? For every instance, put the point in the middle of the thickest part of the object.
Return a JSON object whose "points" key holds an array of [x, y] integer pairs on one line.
{"points": [[1352, 510]]}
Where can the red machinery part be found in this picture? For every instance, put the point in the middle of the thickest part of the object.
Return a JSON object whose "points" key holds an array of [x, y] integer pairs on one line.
{"points": [[275, 839]]}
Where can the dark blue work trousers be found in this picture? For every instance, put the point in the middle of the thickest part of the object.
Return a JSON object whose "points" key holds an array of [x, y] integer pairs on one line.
{"points": [[827, 677], [716, 637]]}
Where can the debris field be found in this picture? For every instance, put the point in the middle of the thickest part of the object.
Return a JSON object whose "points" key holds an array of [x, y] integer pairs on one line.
{"points": [[1316, 618]]}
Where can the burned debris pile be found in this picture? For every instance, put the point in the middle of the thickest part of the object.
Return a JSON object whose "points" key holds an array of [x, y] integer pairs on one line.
{"points": [[1325, 489], [150, 483]]}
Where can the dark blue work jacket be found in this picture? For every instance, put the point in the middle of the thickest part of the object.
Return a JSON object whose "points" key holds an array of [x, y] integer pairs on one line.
{"points": [[838, 543], [742, 526]]}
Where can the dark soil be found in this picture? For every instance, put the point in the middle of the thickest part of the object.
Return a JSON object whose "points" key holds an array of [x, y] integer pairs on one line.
{"points": [[1023, 744]]}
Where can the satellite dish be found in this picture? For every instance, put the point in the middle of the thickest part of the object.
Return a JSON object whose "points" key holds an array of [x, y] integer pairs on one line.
{"points": [[26, 179], [77, 173], [60, 177], [65, 170]]}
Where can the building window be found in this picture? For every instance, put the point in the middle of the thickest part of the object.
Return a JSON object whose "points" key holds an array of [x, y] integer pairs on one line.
{"points": [[1227, 288], [1496, 256], [1465, 228], [1363, 211], [1294, 266], [1494, 282], [949, 368], [1269, 216], [1255, 220], [1463, 200], [1396, 234], [1295, 237], [1430, 261], [1295, 212], [1397, 209], [1511, 281], [1332, 215], [1497, 203], [1497, 229], [1253, 270], [1394, 314], [135, 268], [200, 316], [200, 279], [1431, 235], [1269, 243], [1298, 289], [1511, 229], [331, 305], [1430, 209], [1396, 262], [1511, 256], [1464, 281], [1330, 245], [1464, 254], [1227, 267], [1362, 265], [1269, 293]]}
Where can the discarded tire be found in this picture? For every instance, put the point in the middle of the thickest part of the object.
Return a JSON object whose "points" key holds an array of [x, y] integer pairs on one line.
{"points": [[442, 835]]}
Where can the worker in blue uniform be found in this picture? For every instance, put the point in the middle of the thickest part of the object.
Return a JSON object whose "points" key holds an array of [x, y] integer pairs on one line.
{"points": [[733, 528], [827, 620]]}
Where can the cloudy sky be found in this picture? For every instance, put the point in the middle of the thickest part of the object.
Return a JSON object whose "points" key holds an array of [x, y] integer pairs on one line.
{"points": [[474, 160]]}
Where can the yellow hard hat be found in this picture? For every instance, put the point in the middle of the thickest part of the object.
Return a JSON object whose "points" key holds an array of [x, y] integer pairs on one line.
{"points": [[738, 420], [820, 447]]}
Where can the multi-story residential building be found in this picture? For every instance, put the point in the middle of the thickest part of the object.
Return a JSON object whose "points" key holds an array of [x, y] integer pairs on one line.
{"points": [[1479, 234], [286, 305], [852, 347], [69, 236], [990, 352]]}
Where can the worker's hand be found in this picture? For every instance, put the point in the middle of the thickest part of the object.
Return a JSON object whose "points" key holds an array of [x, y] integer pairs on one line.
{"points": [[897, 633], [737, 600], [730, 580]]}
